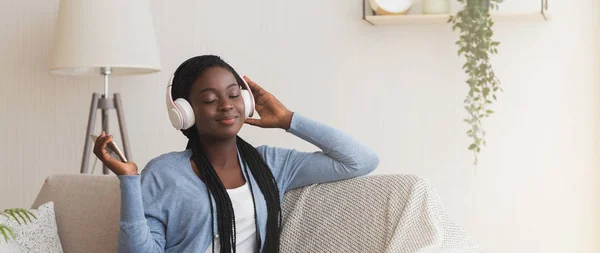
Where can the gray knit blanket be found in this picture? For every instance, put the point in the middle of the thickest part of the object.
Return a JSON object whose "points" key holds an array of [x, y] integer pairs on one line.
{"points": [[376, 213]]}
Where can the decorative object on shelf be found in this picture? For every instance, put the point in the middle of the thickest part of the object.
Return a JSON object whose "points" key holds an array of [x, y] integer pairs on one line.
{"points": [[391, 7], [436, 7], [109, 37], [475, 22], [476, 44], [417, 18]]}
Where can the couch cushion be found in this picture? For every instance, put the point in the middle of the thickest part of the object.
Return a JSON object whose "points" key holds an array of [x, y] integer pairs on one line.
{"points": [[87, 210], [34, 231]]}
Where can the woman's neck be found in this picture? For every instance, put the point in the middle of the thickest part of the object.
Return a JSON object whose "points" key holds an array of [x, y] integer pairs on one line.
{"points": [[222, 154]]}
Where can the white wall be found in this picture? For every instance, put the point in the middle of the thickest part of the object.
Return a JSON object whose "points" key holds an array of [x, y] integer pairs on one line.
{"points": [[399, 89]]}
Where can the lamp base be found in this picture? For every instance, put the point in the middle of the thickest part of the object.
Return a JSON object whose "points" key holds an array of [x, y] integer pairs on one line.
{"points": [[103, 103]]}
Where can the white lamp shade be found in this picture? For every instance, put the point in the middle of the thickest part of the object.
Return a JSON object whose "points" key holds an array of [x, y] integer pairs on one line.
{"points": [[92, 34]]}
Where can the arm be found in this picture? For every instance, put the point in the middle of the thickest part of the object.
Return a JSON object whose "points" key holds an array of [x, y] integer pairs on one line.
{"points": [[341, 156], [140, 230]]}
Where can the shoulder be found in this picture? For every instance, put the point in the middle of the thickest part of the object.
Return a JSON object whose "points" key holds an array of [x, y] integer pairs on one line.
{"points": [[166, 166], [278, 160], [167, 161], [272, 155]]}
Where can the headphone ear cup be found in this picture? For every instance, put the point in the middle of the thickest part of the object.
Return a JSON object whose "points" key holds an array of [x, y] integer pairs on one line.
{"points": [[174, 114], [175, 117], [248, 103], [187, 113]]}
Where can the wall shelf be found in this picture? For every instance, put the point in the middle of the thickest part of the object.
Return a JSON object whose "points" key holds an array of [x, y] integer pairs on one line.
{"points": [[424, 19]]}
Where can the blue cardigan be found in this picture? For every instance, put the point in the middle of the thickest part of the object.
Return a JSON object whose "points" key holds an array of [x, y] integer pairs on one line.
{"points": [[165, 209]]}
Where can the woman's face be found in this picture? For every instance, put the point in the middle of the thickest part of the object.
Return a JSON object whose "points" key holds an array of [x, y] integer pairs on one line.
{"points": [[218, 105]]}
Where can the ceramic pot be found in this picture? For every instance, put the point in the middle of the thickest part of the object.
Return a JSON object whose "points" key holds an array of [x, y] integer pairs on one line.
{"points": [[391, 7], [436, 6]]}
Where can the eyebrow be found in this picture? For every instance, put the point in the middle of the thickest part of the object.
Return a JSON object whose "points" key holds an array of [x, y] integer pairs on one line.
{"points": [[214, 90]]}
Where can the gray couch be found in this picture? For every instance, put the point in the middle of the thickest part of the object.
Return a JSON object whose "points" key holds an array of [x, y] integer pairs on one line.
{"points": [[377, 213]]}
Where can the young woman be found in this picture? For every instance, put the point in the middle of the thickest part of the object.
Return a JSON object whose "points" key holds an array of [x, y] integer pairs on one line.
{"points": [[221, 193]]}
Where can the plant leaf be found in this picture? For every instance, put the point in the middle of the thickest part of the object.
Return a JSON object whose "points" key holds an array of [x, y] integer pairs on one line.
{"points": [[475, 43], [12, 214], [4, 229], [21, 215]]}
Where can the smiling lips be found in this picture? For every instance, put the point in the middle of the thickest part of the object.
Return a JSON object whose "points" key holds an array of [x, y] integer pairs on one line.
{"points": [[227, 120]]}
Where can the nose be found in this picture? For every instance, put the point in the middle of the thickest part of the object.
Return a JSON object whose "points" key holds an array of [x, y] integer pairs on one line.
{"points": [[225, 105]]}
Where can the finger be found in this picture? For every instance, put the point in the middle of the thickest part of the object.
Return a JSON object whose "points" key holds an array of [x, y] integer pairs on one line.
{"points": [[107, 159], [251, 83], [100, 147], [103, 148], [254, 122], [98, 142], [256, 89]]}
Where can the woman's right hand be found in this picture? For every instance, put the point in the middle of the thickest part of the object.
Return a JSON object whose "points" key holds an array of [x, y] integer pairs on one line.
{"points": [[116, 166]]}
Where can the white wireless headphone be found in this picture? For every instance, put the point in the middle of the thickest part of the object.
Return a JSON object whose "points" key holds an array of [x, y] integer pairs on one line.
{"points": [[181, 113]]}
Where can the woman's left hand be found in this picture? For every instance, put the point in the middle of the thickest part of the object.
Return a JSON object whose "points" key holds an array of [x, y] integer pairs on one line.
{"points": [[272, 113]]}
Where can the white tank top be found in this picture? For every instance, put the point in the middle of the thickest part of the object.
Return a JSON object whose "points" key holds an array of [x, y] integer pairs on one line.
{"points": [[243, 208]]}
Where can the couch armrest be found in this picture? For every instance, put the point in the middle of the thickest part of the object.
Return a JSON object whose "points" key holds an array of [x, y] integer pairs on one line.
{"points": [[376, 213], [87, 210]]}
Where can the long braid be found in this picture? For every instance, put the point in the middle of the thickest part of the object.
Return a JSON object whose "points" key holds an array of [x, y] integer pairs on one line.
{"points": [[184, 77], [225, 214], [268, 185]]}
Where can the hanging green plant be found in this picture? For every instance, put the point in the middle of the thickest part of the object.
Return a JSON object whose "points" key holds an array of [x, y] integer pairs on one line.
{"points": [[476, 45]]}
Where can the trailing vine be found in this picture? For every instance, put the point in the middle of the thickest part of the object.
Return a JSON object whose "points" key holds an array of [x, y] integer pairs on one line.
{"points": [[476, 45]]}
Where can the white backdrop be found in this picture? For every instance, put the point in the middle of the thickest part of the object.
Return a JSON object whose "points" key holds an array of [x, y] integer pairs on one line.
{"points": [[398, 89]]}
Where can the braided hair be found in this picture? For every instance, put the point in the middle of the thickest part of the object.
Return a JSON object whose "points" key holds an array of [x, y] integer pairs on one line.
{"points": [[185, 75]]}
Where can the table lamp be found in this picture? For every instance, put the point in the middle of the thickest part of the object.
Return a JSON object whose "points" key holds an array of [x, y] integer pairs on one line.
{"points": [[108, 37]]}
